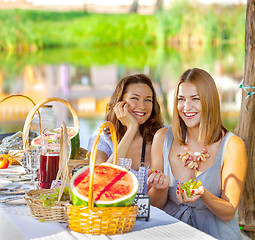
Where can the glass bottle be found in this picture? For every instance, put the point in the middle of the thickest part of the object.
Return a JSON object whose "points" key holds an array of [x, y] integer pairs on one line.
{"points": [[48, 119]]}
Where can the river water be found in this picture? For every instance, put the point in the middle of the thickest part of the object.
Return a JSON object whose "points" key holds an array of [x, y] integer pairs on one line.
{"points": [[86, 79]]}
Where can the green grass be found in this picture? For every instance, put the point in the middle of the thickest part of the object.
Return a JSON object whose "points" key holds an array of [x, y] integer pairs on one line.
{"points": [[27, 30], [80, 38]]}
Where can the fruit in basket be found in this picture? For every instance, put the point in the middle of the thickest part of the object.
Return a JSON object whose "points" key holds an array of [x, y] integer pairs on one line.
{"points": [[4, 162], [113, 186], [73, 133], [50, 199]]}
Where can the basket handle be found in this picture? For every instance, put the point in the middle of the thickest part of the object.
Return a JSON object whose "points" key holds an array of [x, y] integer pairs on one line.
{"points": [[20, 95], [63, 162], [36, 107], [93, 157]]}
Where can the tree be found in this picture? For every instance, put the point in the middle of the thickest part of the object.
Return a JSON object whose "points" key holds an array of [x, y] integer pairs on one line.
{"points": [[246, 126], [134, 6], [158, 6]]}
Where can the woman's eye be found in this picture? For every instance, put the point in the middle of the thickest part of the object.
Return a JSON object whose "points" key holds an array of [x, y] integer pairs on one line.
{"points": [[180, 99], [148, 100], [134, 98], [196, 99]]}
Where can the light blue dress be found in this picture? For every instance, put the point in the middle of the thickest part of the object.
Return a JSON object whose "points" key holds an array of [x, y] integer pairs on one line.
{"points": [[105, 145], [197, 214]]}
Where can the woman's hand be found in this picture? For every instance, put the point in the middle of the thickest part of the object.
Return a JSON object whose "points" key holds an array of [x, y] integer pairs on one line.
{"points": [[123, 115], [195, 194], [158, 180]]}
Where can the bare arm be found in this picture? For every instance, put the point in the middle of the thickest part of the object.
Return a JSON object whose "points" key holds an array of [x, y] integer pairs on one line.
{"points": [[158, 182], [123, 115], [233, 178]]}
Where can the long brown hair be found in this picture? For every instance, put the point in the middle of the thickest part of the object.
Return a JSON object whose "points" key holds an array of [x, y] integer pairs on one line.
{"points": [[155, 121], [210, 129]]}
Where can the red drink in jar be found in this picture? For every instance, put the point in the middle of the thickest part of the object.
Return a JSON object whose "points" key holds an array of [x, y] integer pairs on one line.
{"points": [[49, 165]]}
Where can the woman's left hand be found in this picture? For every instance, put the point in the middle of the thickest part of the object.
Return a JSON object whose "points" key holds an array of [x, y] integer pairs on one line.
{"points": [[121, 110], [195, 194], [158, 180]]}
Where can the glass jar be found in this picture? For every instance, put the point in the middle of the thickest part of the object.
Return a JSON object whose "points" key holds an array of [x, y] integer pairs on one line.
{"points": [[49, 162], [48, 119]]}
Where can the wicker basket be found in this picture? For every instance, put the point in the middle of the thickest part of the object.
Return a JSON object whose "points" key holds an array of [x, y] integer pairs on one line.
{"points": [[17, 155], [31, 114], [57, 212], [103, 220]]}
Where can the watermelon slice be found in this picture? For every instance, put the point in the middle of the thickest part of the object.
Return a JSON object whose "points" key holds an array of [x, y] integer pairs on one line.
{"points": [[113, 186], [72, 132]]}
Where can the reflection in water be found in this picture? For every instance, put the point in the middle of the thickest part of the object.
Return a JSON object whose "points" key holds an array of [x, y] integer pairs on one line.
{"points": [[88, 80]]}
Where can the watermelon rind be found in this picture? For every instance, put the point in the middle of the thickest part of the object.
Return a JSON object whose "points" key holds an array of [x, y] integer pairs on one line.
{"points": [[75, 141], [78, 199]]}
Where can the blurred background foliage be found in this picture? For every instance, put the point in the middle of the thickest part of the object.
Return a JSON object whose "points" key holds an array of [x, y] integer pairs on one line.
{"points": [[28, 30], [167, 42], [186, 31]]}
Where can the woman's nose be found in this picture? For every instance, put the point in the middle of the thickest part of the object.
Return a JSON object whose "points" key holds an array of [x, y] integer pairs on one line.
{"points": [[187, 105], [141, 104]]}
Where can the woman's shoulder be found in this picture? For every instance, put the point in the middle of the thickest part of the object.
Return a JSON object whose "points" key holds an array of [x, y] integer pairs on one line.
{"points": [[162, 130], [161, 133], [235, 141], [104, 139], [96, 131], [235, 148]]}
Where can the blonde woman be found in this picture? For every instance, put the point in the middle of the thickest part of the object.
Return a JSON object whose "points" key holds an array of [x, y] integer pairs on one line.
{"points": [[197, 144]]}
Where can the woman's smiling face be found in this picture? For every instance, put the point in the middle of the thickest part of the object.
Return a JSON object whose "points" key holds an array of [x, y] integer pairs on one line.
{"points": [[189, 105], [139, 97]]}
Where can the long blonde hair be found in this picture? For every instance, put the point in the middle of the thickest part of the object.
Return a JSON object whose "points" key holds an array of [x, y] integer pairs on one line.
{"points": [[210, 129]]}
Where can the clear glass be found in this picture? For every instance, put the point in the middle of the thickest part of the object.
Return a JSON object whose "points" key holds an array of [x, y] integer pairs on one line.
{"points": [[124, 162], [32, 164], [11, 142]]}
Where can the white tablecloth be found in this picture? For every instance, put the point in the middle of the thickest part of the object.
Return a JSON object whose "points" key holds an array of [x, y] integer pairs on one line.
{"points": [[16, 223]]}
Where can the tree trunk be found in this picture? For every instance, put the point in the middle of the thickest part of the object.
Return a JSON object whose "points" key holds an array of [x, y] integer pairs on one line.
{"points": [[134, 6], [158, 7], [246, 126]]}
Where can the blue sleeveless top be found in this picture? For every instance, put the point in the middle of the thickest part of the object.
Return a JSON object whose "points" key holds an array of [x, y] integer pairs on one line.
{"points": [[105, 145], [197, 214]]}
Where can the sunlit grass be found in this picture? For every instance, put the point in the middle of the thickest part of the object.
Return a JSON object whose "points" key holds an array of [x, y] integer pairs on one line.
{"points": [[183, 24]]}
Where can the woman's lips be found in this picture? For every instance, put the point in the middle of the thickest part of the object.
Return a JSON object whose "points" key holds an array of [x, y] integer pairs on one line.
{"points": [[190, 115], [140, 114]]}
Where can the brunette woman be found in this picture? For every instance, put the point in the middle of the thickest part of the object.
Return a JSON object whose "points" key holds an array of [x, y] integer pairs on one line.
{"points": [[136, 116]]}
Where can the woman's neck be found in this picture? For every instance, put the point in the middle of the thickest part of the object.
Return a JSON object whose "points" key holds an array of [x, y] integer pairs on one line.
{"points": [[137, 135], [192, 134]]}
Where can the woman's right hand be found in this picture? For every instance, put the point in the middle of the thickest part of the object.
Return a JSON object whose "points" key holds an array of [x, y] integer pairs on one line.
{"points": [[124, 116], [182, 196], [158, 180]]}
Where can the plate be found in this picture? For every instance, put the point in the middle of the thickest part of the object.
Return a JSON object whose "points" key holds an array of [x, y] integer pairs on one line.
{"points": [[14, 189], [14, 200], [9, 185], [13, 170]]}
